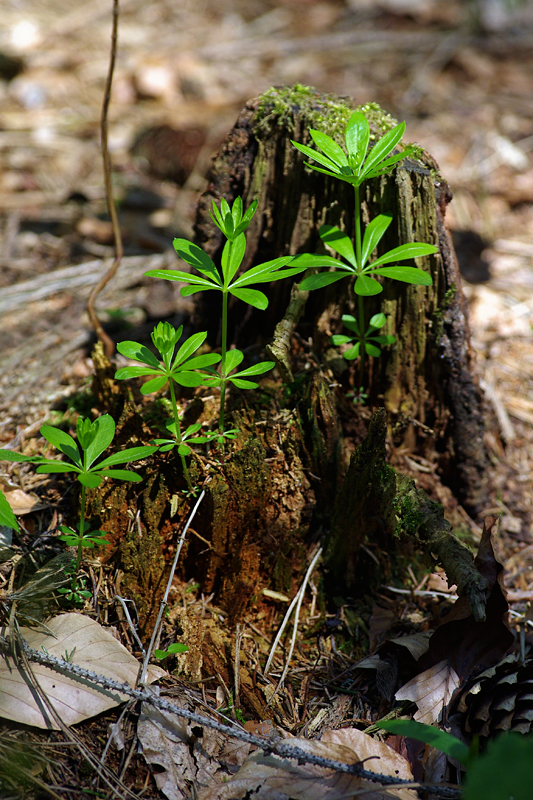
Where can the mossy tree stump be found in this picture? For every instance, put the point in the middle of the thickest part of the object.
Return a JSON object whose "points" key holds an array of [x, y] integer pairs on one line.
{"points": [[287, 470], [426, 380]]}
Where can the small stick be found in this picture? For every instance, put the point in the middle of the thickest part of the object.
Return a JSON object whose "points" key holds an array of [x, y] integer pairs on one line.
{"points": [[297, 601], [279, 348], [164, 601], [107, 342]]}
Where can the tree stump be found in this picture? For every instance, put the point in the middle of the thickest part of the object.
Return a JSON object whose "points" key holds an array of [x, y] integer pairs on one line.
{"points": [[283, 477], [426, 380]]}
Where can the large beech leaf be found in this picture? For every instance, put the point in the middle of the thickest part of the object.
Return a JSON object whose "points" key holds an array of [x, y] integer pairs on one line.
{"points": [[93, 648], [263, 776]]}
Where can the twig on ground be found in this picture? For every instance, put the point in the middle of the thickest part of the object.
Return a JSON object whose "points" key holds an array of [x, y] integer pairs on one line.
{"points": [[107, 342], [283, 748], [164, 601]]}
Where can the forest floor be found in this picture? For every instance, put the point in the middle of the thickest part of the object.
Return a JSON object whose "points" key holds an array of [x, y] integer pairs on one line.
{"points": [[463, 86]]}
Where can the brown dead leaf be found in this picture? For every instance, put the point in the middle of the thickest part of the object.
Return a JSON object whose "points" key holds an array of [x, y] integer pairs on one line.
{"points": [[21, 502], [89, 646], [267, 777], [431, 691]]}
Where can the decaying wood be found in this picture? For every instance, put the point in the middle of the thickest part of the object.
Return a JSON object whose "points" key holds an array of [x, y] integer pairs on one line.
{"points": [[374, 498], [427, 377]]}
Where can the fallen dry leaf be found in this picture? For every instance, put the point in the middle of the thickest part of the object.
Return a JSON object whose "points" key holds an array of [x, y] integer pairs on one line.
{"points": [[267, 777], [88, 645], [431, 691], [21, 502], [186, 759]]}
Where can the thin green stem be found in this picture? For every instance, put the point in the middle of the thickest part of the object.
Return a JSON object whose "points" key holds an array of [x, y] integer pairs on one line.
{"points": [[81, 531], [178, 433], [223, 361], [360, 303], [362, 349]]}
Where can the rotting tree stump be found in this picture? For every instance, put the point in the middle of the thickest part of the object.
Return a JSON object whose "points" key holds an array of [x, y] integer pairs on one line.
{"points": [[280, 481], [426, 380]]}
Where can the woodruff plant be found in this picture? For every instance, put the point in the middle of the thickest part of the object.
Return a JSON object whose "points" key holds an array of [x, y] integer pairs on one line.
{"points": [[93, 439], [232, 222], [355, 166], [179, 368]]}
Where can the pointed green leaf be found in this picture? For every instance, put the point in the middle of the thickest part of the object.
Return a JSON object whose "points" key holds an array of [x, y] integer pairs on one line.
{"points": [[339, 242], [256, 369], [9, 455], [247, 218], [63, 442], [373, 234], [188, 291], [386, 166], [329, 147], [184, 277], [429, 735], [240, 384], [128, 455], [405, 251], [339, 338], [186, 378], [57, 466], [154, 385], [215, 381], [322, 279], [372, 350], [357, 137], [382, 339], [90, 480], [191, 430], [253, 297], [377, 321], [232, 256], [353, 180], [236, 211], [189, 347], [138, 352], [366, 286], [351, 323], [105, 431], [382, 148], [217, 218], [200, 362], [311, 260], [7, 517], [263, 273], [124, 373], [121, 475], [405, 274], [352, 352], [196, 257], [233, 359], [333, 169]]}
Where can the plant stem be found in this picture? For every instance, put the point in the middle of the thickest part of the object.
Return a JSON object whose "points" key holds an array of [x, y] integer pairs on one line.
{"points": [[81, 531], [223, 361], [360, 303], [178, 433]]}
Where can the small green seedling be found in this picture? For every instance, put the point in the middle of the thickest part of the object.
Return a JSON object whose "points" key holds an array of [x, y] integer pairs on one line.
{"points": [[173, 649], [355, 166], [370, 339], [232, 222], [93, 439], [177, 368]]}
